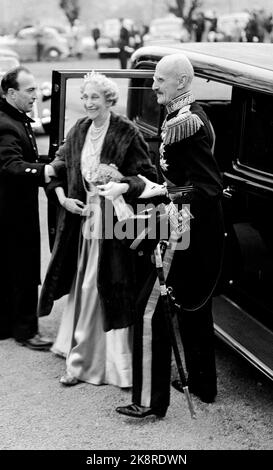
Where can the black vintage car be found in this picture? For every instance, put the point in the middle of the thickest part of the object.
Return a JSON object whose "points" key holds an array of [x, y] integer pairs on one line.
{"points": [[234, 84]]}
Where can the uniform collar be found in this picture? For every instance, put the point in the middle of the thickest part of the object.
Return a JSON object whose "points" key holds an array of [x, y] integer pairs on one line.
{"points": [[13, 112], [180, 101]]}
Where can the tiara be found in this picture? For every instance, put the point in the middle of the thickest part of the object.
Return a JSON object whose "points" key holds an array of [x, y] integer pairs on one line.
{"points": [[90, 75]]}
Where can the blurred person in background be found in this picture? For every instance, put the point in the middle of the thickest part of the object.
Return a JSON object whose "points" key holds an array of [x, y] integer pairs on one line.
{"points": [[254, 30], [212, 20], [76, 30], [39, 34], [199, 26], [236, 32], [96, 34], [123, 43], [137, 40]]}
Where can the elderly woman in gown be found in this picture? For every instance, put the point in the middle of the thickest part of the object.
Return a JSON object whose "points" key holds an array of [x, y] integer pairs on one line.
{"points": [[97, 166]]}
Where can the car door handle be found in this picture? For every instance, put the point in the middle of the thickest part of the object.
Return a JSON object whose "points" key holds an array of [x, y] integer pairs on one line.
{"points": [[228, 192]]}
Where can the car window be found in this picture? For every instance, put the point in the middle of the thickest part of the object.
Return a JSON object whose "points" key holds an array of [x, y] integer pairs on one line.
{"points": [[148, 105], [74, 106], [137, 91], [49, 35], [67, 107], [144, 107], [204, 90], [257, 149], [150, 113]]}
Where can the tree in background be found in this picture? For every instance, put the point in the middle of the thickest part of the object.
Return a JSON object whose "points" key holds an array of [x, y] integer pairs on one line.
{"points": [[179, 10], [71, 9]]}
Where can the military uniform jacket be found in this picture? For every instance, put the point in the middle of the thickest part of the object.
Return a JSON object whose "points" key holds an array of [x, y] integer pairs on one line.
{"points": [[20, 177], [187, 161]]}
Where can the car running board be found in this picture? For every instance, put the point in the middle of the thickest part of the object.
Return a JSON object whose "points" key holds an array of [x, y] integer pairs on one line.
{"points": [[244, 334]]}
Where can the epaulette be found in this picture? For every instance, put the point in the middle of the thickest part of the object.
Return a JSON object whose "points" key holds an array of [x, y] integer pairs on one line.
{"points": [[183, 125]]}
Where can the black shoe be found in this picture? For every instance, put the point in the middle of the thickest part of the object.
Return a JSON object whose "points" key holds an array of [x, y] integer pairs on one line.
{"points": [[37, 342], [138, 411], [5, 335], [205, 393]]}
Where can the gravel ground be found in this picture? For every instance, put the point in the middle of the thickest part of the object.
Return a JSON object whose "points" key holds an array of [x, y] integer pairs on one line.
{"points": [[38, 413]]}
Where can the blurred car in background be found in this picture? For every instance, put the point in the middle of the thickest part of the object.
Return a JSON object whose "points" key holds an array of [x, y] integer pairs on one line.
{"points": [[62, 30], [41, 112], [6, 52], [85, 43], [53, 45], [167, 30], [109, 37], [231, 25], [6, 63]]}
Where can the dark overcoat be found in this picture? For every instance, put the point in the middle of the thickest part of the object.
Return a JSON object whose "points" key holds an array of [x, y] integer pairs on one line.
{"points": [[20, 177], [125, 147]]}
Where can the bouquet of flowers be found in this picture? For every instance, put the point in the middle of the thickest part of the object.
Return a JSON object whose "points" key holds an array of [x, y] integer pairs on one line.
{"points": [[105, 173], [102, 175]]}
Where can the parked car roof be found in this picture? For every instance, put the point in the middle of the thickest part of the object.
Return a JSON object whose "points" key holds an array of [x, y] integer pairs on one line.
{"points": [[6, 52], [250, 64]]}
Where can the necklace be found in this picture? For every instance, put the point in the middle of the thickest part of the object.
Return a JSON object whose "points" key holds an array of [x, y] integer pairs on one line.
{"points": [[97, 132], [92, 149]]}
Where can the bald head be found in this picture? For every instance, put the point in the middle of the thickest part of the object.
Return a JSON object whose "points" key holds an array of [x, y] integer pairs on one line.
{"points": [[173, 76], [178, 65]]}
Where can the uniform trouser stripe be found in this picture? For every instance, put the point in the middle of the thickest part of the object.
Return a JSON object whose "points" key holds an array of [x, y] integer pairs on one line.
{"points": [[146, 392], [152, 348], [152, 359]]}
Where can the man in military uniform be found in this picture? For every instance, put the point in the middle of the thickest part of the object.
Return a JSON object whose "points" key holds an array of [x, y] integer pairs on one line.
{"points": [[193, 178]]}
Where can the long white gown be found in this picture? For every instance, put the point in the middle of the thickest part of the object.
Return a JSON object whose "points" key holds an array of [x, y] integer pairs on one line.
{"points": [[92, 355]]}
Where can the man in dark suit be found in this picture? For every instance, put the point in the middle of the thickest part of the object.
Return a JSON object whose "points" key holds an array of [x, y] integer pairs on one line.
{"points": [[20, 177], [123, 44], [193, 179]]}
